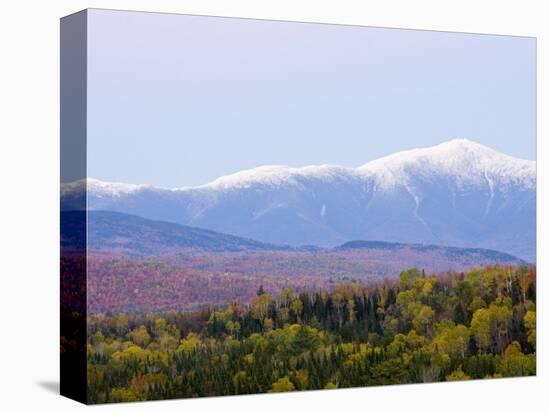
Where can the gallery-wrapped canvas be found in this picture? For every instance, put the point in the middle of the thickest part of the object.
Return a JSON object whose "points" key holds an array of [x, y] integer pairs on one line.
{"points": [[254, 206]]}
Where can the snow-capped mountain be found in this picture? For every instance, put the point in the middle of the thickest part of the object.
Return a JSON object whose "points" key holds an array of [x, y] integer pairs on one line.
{"points": [[458, 193]]}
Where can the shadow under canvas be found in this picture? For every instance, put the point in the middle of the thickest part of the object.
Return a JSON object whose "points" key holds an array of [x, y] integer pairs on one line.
{"points": [[50, 386]]}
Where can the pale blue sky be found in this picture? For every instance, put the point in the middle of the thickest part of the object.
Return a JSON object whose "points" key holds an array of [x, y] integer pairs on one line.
{"points": [[177, 100]]}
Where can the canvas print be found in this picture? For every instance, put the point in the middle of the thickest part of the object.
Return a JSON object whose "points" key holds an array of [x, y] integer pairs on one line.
{"points": [[253, 206]]}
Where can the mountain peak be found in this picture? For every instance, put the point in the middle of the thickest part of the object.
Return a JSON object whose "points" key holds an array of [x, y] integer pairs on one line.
{"points": [[465, 160], [461, 159], [464, 143], [464, 146], [446, 151]]}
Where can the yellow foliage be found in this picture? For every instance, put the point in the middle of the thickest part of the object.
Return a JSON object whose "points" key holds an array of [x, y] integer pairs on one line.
{"points": [[190, 343], [457, 375], [282, 385], [134, 352]]}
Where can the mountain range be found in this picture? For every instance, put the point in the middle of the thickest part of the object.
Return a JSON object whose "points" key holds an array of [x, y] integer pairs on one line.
{"points": [[115, 232], [123, 245], [119, 233], [459, 193]]}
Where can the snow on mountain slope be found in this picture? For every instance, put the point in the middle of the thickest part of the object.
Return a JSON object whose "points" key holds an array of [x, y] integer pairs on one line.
{"points": [[466, 161], [458, 193], [276, 175], [102, 188]]}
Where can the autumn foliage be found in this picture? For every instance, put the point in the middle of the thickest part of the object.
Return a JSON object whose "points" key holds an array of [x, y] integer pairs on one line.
{"points": [[418, 328]]}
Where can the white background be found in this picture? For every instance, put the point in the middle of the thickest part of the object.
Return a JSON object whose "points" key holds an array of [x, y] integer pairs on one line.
{"points": [[29, 171]]}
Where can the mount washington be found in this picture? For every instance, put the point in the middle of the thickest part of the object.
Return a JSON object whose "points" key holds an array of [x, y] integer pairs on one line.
{"points": [[459, 193]]}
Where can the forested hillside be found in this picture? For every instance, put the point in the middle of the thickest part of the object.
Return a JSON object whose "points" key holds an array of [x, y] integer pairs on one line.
{"points": [[418, 329]]}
